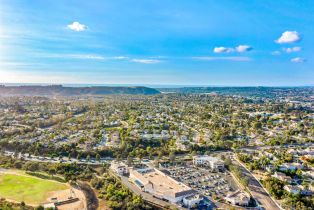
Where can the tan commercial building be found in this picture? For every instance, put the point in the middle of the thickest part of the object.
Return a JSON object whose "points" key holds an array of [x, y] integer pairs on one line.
{"points": [[160, 185]]}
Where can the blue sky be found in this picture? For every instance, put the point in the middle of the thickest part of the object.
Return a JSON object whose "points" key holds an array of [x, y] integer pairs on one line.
{"points": [[183, 42]]}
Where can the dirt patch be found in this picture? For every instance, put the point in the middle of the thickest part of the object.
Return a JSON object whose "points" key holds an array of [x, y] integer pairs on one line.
{"points": [[67, 194], [102, 205]]}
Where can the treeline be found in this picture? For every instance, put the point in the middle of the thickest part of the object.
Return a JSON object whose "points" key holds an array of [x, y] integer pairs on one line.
{"points": [[133, 148], [70, 171], [45, 176], [237, 172], [5, 205], [253, 164]]}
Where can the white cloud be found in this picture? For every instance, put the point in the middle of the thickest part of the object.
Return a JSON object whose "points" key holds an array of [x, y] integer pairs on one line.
{"points": [[86, 56], [146, 61], [76, 26], [298, 60], [120, 58], [229, 58], [223, 50], [288, 37], [240, 49], [276, 52], [292, 49], [243, 48]]}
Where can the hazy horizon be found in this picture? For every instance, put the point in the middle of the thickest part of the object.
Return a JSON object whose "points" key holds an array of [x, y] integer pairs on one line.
{"points": [[144, 85]]}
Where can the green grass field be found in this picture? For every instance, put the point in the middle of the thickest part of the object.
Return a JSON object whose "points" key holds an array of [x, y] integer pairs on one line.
{"points": [[29, 189]]}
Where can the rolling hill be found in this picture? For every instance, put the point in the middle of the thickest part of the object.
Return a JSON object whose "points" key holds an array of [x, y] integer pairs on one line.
{"points": [[59, 90]]}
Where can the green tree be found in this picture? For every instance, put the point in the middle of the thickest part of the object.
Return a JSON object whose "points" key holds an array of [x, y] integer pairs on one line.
{"points": [[97, 157], [88, 158], [172, 156], [39, 208], [129, 160]]}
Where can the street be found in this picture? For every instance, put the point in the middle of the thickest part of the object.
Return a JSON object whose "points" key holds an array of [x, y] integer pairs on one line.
{"points": [[257, 191]]}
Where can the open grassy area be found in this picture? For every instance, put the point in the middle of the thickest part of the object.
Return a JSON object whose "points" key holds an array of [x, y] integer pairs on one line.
{"points": [[31, 190]]}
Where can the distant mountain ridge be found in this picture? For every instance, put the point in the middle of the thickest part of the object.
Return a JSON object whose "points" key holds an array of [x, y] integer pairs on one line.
{"points": [[59, 90]]}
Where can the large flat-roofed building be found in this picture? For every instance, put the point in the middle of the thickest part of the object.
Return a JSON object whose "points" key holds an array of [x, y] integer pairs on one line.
{"points": [[208, 161], [160, 185]]}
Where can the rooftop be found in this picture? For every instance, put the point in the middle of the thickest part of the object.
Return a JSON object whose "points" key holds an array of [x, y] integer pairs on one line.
{"points": [[161, 182], [240, 195], [207, 158]]}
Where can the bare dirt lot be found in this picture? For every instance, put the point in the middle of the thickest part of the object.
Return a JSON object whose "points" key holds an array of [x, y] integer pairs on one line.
{"points": [[66, 194]]}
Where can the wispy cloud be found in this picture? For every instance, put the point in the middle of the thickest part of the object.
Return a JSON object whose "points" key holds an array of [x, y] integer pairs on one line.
{"points": [[292, 49], [87, 57], [288, 37], [227, 58], [120, 58], [276, 52], [297, 60], [80, 56], [76, 26], [146, 61], [97, 57], [73, 56]]}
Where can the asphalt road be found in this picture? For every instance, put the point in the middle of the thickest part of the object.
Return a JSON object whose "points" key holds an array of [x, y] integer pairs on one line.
{"points": [[257, 190]]}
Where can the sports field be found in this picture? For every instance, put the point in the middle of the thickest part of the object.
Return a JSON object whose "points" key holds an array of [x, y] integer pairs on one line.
{"points": [[31, 190]]}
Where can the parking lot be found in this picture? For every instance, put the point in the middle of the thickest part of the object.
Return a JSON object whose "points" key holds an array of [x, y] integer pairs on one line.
{"points": [[208, 183]]}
